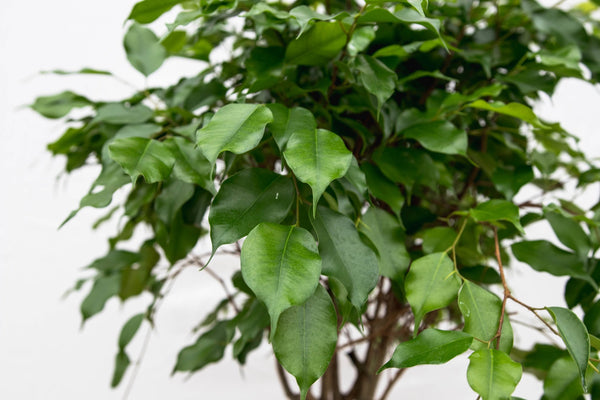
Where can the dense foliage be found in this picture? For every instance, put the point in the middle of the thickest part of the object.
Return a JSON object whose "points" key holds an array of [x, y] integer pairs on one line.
{"points": [[362, 160]]}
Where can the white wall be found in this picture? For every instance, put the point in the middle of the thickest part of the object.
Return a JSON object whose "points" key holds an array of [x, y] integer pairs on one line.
{"points": [[43, 352]]}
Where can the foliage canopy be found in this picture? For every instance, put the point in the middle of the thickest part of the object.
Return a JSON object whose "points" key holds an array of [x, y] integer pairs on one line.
{"points": [[362, 159]]}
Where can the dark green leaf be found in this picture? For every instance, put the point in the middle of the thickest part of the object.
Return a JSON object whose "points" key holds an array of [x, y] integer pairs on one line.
{"points": [[121, 364], [104, 288], [129, 330], [569, 232], [209, 348], [439, 136], [376, 77], [147, 11]]}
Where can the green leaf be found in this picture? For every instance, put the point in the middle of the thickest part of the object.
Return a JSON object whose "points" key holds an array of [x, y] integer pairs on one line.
{"points": [[492, 374], [138, 130], [382, 188], [387, 235], [345, 256], [209, 348], [147, 11], [569, 232], [432, 346], [543, 256], [190, 165], [563, 381], [121, 364], [497, 210], [305, 15], [129, 330], [281, 265], [430, 284], [144, 51], [134, 278], [104, 288], [317, 46], [237, 128], [438, 239], [575, 336], [376, 77], [245, 200], [595, 342], [317, 158], [251, 322], [59, 105], [306, 339], [516, 110], [361, 39], [146, 157], [481, 310], [286, 121], [119, 113], [439, 136]]}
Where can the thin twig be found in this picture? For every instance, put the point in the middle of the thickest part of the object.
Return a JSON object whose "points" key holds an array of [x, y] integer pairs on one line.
{"points": [[222, 283], [506, 289]]}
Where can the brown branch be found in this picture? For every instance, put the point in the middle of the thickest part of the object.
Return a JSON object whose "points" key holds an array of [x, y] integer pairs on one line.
{"points": [[507, 293]]}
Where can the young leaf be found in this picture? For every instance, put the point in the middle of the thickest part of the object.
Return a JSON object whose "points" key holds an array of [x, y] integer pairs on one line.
{"points": [[245, 200], [317, 46], [481, 310], [432, 346], [439, 136], [281, 265], [146, 157], [492, 374], [237, 128], [575, 336], [497, 210], [143, 49], [345, 256], [317, 158], [430, 285], [386, 233], [306, 338]]}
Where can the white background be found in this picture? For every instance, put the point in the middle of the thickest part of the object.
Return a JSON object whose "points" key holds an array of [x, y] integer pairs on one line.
{"points": [[43, 352]]}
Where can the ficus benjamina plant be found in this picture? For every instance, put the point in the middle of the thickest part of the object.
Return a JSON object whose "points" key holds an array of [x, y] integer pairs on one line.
{"points": [[362, 159]]}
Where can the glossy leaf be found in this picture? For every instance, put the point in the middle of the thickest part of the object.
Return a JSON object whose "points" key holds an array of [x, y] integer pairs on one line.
{"points": [[430, 284], [317, 158], [286, 121], [404, 16], [59, 105], [237, 128], [376, 77], [147, 11], [386, 233], [492, 374], [317, 46], [439, 136], [143, 157], [512, 109], [306, 338], [345, 257], [281, 265], [481, 311], [143, 49], [497, 210], [575, 336], [190, 165], [432, 346], [245, 200]]}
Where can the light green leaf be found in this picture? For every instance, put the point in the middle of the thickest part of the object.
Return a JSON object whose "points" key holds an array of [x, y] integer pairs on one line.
{"points": [[345, 256], [237, 128], [246, 199], [376, 77], [569, 232], [317, 46], [497, 210], [595, 342], [59, 105], [575, 336], [305, 15], [492, 374], [209, 348], [432, 346], [317, 158], [516, 110], [481, 310], [439, 136], [430, 284], [306, 338], [147, 11], [118, 113], [143, 49], [543, 256], [286, 121], [129, 330], [281, 265], [387, 235], [190, 165], [146, 157]]}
